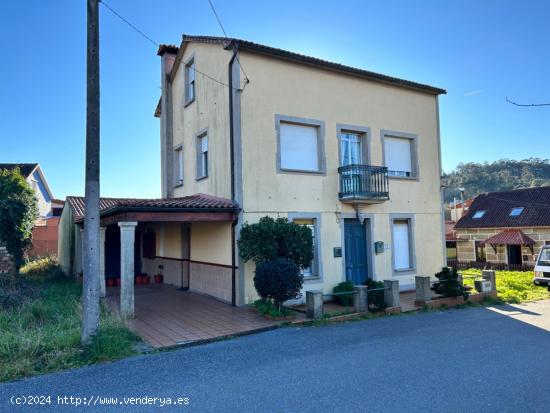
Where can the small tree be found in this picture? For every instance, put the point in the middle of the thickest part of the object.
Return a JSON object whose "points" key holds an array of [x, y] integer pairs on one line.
{"points": [[18, 213], [278, 280], [448, 284], [270, 239]]}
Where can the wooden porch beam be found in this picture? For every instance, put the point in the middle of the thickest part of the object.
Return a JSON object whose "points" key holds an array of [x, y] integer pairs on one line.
{"points": [[184, 216]]}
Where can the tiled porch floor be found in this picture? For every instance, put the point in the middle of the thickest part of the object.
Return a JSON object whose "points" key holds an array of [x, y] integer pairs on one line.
{"points": [[167, 317]]}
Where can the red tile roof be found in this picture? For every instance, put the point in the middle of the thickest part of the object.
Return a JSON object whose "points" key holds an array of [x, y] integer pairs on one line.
{"points": [[509, 237], [497, 207], [197, 201], [450, 233]]}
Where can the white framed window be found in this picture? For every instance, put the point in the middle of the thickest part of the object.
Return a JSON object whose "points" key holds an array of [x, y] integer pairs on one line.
{"points": [[403, 255], [190, 81], [313, 269], [350, 149], [202, 155], [178, 166], [400, 155], [300, 145]]}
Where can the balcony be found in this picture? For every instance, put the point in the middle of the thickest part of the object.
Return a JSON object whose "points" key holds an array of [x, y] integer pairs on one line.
{"points": [[363, 184]]}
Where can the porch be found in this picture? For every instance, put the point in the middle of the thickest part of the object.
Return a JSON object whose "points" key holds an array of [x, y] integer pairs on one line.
{"points": [[166, 317]]}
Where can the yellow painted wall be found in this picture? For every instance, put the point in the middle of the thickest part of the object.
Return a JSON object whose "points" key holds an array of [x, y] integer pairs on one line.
{"points": [[211, 242], [209, 110], [305, 92]]}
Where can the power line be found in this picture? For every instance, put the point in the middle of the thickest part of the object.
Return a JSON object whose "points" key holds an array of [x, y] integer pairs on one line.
{"points": [[128, 23], [227, 37], [157, 44], [528, 104]]}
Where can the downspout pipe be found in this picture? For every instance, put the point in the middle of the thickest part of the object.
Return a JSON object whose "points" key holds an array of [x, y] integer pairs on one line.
{"points": [[232, 162]]}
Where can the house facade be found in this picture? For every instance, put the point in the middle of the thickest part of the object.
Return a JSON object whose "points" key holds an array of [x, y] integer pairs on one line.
{"points": [[352, 154], [45, 230], [505, 229]]}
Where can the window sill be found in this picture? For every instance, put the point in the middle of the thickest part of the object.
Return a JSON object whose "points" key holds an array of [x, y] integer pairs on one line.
{"points": [[403, 271], [188, 102], [178, 185], [300, 171], [200, 178], [315, 278], [404, 178]]}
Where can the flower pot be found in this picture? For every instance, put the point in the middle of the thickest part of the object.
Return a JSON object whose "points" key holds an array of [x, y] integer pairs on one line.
{"points": [[111, 282], [159, 278], [145, 279], [117, 282], [137, 279]]}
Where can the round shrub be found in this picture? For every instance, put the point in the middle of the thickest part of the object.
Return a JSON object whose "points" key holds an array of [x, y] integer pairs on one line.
{"points": [[278, 280], [344, 299]]}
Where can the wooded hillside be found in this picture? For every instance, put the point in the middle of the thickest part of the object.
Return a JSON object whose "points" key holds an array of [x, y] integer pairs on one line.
{"points": [[501, 175]]}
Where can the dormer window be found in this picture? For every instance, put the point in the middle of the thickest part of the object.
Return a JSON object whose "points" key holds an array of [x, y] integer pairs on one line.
{"points": [[479, 214], [516, 212]]}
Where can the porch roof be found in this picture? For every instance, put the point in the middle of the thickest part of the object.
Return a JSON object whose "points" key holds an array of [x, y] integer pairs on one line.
{"points": [[510, 237], [195, 207]]}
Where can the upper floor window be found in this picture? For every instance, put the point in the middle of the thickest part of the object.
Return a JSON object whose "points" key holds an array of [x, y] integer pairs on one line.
{"points": [[300, 145], [178, 166], [190, 81], [516, 212], [350, 149], [202, 155], [400, 155]]}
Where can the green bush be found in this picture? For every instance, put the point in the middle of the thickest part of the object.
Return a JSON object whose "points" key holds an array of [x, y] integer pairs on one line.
{"points": [[270, 239], [344, 299], [375, 299], [278, 280], [448, 284], [267, 307], [18, 212]]}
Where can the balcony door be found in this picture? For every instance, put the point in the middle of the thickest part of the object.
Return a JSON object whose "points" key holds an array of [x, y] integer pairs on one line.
{"points": [[350, 149]]}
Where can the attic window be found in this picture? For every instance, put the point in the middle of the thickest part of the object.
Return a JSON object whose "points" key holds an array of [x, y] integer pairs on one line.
{"points": [[516, 212], [479, 214]]}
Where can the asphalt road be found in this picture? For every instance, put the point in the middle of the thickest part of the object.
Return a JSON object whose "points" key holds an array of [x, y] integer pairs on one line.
{"points": [[455, 361]]}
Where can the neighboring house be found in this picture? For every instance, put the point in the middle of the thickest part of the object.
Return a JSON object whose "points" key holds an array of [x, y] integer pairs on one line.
{"points": [[505, 229], [45, 230], [353, 154], [459, 209]]}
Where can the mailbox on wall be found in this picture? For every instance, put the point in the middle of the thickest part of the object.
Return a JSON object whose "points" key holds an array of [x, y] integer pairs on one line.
{"points": [[379, 247]]}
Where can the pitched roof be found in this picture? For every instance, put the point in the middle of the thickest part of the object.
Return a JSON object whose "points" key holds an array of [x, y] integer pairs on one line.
{"points": [[25, 168], [510, 237], [192, 202], [450, 233], [497, 207], [252, 47]]}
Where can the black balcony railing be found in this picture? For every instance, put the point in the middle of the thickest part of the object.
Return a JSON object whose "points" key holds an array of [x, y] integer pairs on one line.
{"points": [[363, 183]]}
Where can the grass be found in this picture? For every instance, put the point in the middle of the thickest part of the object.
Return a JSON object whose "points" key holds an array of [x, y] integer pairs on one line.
{"points": [[41, 334], [514, 286]]}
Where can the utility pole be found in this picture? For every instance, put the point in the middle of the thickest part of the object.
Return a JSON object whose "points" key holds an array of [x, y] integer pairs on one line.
{"points": [[90, 259]]}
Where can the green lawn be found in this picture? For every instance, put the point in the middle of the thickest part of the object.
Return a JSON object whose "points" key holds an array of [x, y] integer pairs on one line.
{"points": [[42, 333], [514, 286]]}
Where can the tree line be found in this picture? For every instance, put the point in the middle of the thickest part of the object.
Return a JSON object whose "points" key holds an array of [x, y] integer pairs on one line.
{"points": [[501, 175]]}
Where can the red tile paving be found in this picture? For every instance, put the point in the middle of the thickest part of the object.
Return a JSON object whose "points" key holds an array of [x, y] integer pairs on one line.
{"points": [[167, 317]]}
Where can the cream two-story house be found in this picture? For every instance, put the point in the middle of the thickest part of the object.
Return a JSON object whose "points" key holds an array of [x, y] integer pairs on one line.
{"points": [[353, 154]]}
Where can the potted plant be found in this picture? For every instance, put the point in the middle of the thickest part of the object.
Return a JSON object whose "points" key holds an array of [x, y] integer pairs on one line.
{"points": [[159, 278], [117, 282], [111, 282], [145, 279]]}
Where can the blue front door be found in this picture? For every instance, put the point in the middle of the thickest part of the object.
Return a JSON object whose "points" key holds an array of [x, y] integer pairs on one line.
{"points": [[355, 237]]}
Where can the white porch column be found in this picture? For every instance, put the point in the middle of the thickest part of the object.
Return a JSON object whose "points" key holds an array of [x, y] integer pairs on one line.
{"points": [[127, 234], [102, 261]]}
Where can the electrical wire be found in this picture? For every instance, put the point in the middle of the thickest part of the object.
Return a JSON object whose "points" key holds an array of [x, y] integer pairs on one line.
{"points": [[133, 27]]}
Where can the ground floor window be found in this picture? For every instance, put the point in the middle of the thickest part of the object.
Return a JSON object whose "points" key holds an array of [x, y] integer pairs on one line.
{"points": [[402, 244], [451, 250], [480, 251], [313, 269]]}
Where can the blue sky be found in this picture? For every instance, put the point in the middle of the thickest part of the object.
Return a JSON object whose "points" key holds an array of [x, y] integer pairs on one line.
{"points": [[480, 51]]}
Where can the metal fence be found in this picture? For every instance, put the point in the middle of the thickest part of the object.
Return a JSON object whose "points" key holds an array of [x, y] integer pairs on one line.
{"points": [[464, 265]]}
